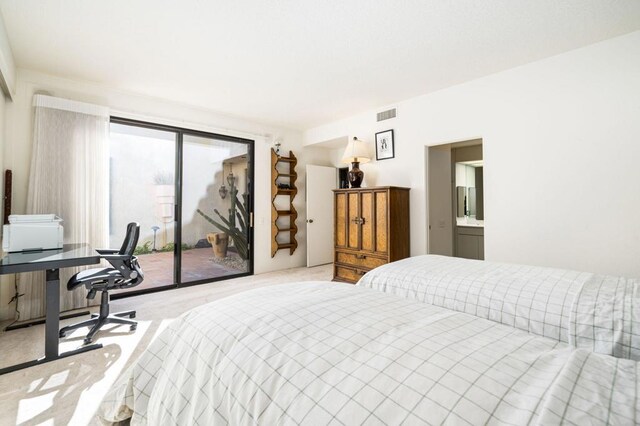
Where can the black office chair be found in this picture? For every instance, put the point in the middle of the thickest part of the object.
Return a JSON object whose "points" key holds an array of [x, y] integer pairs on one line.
{"points": [[126, 273]]}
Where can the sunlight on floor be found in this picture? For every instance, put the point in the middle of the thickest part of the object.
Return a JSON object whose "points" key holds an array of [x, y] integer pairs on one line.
{"points": [[78, 381], [29, 408]]}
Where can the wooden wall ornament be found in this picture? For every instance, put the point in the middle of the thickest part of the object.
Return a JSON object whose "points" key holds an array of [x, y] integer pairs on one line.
{"points": [[286, 188]]}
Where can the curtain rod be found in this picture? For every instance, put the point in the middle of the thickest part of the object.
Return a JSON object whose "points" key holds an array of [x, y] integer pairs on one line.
{"points": [[46, 101], [191, 125]]}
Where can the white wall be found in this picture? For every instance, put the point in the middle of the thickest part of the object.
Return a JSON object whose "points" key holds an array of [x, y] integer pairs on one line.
{"points": [[7, 65], [561, 139], [18, 136], [7, 89]]}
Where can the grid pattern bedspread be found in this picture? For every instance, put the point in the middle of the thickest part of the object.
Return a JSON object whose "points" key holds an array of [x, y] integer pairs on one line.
{"points": [[593, 312], [325, 353]]}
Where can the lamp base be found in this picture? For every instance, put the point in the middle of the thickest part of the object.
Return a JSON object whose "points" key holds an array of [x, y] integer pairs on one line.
{"points": [[355, 175]]}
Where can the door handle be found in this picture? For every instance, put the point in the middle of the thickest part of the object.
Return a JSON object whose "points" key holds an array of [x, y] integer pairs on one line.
{"points": [[309, 220]]}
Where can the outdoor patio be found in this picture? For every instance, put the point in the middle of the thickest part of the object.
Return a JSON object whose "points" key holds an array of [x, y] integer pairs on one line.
{"points": [[197, 264]]}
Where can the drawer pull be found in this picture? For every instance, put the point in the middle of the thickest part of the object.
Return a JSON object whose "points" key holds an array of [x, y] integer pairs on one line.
{"points": [[358, 220], [360, 256]]}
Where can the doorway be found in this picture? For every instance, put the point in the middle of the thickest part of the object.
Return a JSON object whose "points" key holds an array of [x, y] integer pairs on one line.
{"points": [[456, 199], [192, 194]]}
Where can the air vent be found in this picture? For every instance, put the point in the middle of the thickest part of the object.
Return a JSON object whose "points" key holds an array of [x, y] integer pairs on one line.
{"points": [[386, 115]]}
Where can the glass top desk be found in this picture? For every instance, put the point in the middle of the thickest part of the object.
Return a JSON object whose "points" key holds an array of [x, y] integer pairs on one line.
{"points": [[50, 261]]}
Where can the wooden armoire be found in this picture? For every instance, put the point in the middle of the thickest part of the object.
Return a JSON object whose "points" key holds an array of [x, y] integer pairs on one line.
{"points": [[371, 229]]}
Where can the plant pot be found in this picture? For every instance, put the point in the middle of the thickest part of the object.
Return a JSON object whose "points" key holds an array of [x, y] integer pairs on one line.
{"points": [[219, 243]]}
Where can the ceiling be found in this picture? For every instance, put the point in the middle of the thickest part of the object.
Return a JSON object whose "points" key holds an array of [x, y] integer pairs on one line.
{"points": [[299, 63]]}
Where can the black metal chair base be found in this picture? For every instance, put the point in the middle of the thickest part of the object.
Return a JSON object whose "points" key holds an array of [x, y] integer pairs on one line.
{"points": [[98, 321]]}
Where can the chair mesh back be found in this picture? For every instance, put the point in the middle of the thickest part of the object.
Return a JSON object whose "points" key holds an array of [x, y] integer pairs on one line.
{"points": [[131, 239]]}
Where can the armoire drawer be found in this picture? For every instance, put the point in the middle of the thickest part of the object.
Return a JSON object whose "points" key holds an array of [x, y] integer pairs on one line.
{"points": [[359, 259], [350, 275]]}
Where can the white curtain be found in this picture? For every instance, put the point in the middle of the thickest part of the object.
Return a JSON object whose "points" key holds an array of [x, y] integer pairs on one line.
{"points": [[69, 176]]}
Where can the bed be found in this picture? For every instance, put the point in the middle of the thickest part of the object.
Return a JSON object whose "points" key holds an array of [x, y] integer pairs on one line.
{"points": [[595, 312], [328, 353]]}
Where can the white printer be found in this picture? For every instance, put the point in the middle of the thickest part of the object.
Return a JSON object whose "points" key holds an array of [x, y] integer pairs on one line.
{"points": [[27, 232]]}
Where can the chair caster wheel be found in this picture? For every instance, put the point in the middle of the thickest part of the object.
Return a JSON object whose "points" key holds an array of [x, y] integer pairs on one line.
{"points": [[87, 341], [133, 315], [133, 327], [62, 334]]}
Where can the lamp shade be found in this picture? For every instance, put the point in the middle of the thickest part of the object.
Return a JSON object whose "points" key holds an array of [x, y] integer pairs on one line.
{"points": [[356, 152]]}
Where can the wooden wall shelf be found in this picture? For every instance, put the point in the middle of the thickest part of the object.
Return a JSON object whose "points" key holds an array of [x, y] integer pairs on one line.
{"points": [[288, 224]]}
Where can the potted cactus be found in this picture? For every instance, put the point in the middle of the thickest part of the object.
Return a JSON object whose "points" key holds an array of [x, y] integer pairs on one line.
{"points": [[237, 222]]}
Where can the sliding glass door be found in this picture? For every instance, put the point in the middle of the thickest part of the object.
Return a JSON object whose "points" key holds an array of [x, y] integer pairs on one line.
{"points": [[142, 189], [215, 208], [191, 193]]}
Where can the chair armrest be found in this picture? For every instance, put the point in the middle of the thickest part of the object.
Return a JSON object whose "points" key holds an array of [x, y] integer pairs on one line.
{"points": [[116, 257], [107, 251], [117, 260]]}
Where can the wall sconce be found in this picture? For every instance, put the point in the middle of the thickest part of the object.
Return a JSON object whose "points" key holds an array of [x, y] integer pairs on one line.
{"points": [[277, 143], [231, 179], [223, 191]]}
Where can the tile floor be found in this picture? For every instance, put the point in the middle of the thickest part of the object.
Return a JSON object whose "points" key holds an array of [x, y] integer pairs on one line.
{"points": [[196, 265]]}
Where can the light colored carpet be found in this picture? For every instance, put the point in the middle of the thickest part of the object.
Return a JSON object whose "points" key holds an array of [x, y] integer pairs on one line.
{"points": [[68, 391]]}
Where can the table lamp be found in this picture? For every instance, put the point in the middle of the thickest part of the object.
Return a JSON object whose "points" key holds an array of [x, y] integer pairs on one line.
{"points": [[355, 154]]}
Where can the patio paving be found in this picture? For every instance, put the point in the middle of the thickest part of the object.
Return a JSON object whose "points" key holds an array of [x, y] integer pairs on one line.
{"points": [[197, 264]]}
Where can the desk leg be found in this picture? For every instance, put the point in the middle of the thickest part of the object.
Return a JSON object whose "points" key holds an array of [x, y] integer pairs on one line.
{"points": [[52, 325]]}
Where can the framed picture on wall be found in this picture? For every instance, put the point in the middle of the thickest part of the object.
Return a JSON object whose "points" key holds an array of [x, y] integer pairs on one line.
{"points": [[384, 145]]}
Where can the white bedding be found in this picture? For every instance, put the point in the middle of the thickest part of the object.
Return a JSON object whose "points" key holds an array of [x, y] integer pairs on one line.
{"points": [[593, 312], [327, 353]]}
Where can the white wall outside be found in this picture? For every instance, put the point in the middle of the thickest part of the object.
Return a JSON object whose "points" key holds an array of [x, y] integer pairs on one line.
{"points": [[134, 161]]}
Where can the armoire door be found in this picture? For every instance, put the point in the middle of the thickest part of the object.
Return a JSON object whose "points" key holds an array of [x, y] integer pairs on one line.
{"points": [[381, 224], [367, 226], [341, 220], [353, 220], [374, 221]]}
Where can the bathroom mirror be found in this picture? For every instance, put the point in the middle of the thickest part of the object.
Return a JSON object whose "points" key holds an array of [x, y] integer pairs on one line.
{"points": [[471, 201], [461, 192], [469, 190], [466, 201]]}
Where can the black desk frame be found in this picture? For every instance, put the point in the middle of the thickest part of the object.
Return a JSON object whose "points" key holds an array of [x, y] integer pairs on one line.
{"points": [[52, 292]]}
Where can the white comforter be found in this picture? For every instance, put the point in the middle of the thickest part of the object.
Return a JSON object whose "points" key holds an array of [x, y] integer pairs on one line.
{"points": [[594, 312], [326, 353]]}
